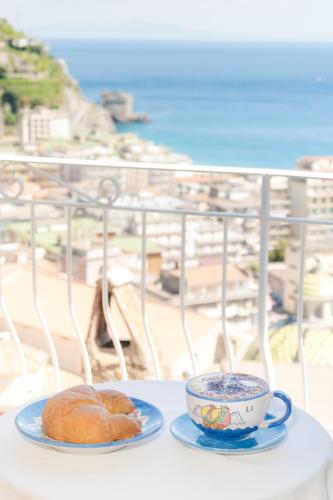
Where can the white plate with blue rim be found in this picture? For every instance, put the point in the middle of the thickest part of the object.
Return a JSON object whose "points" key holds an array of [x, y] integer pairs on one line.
{"points": [[29, 424], [188, 434]]}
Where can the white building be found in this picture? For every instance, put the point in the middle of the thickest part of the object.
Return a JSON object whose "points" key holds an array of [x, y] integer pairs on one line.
{"points": [[228, 193], [313, 198], [204, 239], [43, 124], [318, 284], [204, 294]]}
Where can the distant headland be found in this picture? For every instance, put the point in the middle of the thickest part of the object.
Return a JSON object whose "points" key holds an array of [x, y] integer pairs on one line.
{"points": [[43, 111]]}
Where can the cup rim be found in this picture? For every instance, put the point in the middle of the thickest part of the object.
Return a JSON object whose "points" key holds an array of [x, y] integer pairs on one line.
{"points": [[191, 392]]}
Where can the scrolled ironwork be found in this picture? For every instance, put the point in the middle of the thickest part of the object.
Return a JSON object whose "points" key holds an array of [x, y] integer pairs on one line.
{"points": [[108, 189], [11, 180], [104, 189]]}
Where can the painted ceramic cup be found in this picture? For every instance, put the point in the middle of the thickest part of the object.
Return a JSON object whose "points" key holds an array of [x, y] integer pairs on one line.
{"points": [[232, 405]]}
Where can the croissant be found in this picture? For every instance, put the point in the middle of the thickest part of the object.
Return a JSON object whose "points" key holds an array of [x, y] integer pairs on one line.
{"points": [[116, 402], [83, 414]]}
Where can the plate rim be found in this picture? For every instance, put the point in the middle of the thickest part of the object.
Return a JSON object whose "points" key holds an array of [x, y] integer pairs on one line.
{"points": [[226, 451], [108, 444]]}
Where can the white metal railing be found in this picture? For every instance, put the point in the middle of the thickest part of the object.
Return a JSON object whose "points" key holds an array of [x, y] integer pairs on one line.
{"points": [[104, 200], [47, 332]]}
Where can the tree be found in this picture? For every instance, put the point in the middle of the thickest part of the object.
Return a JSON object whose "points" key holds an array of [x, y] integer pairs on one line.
{"points": [[278, 253], [10, 118], [12, 100]]}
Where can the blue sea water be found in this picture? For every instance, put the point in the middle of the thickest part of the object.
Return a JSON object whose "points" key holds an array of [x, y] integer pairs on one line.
{"points": [[255, 104]]}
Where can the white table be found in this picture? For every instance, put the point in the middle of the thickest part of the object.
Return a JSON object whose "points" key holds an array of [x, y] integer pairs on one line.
{"points": [[164, 469]]}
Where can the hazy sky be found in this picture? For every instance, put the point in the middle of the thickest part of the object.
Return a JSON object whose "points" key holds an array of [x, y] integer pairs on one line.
{"points": [[297, 20]]}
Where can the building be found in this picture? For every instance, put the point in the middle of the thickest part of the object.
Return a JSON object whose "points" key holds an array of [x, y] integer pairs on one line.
{"points": [[318, 283], [318, 346], [43, 124], [204, 292], [204, 238], [125, 309], [239, 194], [165, 326], [280, 206], [23, 43], [87, 262], [277, 277], [53, 299], [88, 257], [313, 198]]}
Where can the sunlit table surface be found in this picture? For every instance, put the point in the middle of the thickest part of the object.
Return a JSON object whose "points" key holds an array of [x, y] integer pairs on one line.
{"points": [[162, 468]]}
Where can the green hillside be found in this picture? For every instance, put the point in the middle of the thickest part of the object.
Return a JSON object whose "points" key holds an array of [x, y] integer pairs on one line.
{"points": [[29, 76]]}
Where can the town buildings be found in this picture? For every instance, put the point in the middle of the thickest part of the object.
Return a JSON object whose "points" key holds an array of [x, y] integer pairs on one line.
{"points": [[162, 225], [311, 198], [239, 194], [43, 124]]}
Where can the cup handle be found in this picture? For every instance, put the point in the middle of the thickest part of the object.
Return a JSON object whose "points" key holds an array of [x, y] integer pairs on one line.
{"points": [[279, 420]]}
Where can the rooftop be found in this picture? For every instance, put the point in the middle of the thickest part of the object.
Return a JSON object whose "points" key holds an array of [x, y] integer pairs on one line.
{"points": [[52, 290], [132, 244], [318, 345], [210, 275]]}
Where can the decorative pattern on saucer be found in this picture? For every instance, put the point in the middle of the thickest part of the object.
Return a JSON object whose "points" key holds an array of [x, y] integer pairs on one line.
{"points": [[29, 423], [183, 429], [228, 386]]}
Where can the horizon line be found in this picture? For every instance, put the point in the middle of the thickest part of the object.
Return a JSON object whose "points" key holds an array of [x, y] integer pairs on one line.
{"points": [[187, 40]]}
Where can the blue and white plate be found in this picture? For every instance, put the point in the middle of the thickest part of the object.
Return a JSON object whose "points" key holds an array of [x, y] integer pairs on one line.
{"points": [[263, 439], [29, 423]]}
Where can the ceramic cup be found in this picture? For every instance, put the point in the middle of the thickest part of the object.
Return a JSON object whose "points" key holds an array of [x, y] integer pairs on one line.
{"points": [[232, 405]]}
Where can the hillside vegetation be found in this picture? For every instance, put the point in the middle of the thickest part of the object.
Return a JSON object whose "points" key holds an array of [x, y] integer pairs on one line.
{"points": [[29, 76]]}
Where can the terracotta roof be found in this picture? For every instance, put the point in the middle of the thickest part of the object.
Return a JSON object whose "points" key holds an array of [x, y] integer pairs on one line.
{"points": [[226, 203], [52, 292], [164, 322], [199, 197], [164, 319], [211, 275]]}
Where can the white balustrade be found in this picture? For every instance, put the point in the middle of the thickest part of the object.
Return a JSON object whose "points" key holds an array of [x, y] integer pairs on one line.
{"points": [[109, 207]]}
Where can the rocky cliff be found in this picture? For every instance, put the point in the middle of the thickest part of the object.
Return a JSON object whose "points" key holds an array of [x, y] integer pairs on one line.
{"points": [[31, 77]]}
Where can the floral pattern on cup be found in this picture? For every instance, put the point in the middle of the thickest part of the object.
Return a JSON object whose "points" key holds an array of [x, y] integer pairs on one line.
{"points": [[217, 417]]}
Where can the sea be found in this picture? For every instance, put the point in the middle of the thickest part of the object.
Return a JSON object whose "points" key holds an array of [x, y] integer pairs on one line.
{"points": [[236, 104]]}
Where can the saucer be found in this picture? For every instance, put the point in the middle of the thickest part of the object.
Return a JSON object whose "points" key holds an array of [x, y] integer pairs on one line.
{"points": [[187, 433], [29, 424]]}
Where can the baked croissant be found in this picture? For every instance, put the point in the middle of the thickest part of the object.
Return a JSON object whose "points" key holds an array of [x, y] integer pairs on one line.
{"points": [[85, 415]]}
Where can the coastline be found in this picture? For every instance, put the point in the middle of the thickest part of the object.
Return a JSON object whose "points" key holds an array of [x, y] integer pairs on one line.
{"points": [[205, 105]]}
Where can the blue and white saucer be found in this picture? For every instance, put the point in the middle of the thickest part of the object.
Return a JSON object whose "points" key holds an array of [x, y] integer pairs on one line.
{"points": [[29, 423], [187, 433]]}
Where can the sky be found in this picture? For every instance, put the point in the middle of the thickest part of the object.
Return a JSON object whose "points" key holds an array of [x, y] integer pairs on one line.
{"points": [[236, 20]]}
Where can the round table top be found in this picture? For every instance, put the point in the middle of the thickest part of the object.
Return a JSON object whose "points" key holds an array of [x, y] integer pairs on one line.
{"points": [[162, 468]]}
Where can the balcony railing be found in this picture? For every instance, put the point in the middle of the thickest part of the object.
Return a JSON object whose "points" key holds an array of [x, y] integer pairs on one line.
{"points": [[101, 189]]}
